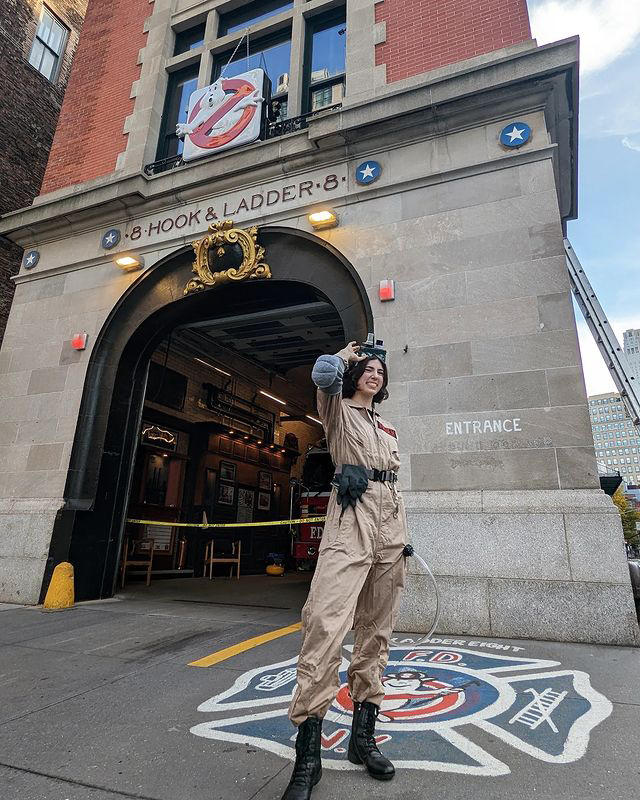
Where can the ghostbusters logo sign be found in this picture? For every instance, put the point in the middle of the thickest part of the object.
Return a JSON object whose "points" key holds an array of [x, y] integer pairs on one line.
{"points": [[531, 704], [226, 114]]}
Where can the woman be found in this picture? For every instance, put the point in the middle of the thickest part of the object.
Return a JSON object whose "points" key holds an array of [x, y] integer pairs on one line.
{"points": [[360, 569]]}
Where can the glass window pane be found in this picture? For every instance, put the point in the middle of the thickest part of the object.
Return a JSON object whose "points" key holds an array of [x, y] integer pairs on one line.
{"points": [[330, 95], [274, 59], [250, 14], [184, 92], [36, 54], [48, 65], [328, 51], [181, 85], [56, 37], [189, 39], [45, 26]]}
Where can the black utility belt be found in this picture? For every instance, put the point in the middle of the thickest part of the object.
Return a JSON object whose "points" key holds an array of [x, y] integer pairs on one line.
{"points": [[382, 475]]}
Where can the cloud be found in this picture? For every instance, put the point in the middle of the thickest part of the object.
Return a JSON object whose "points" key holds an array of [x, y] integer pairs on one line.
{"points": [[607, 28], [626, 141], [597, 377]]}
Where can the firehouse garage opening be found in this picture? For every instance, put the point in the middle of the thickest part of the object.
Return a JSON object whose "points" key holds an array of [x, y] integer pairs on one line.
{"points": [[212, 418], [229, 434]]}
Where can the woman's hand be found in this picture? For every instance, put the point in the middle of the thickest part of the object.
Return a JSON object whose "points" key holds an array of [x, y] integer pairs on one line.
{"points": [[349, 353]]}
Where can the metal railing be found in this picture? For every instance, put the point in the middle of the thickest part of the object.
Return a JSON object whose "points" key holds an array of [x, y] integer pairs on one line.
{"points": [[272, 129]]}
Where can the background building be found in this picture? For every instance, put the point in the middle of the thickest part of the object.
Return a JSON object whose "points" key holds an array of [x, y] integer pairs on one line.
{"points": [[631, 344], [616, 438], [441, 143], [37, 44]]}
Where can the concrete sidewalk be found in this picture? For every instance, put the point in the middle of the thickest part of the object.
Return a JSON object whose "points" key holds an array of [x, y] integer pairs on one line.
{"points": [[99, 702]]}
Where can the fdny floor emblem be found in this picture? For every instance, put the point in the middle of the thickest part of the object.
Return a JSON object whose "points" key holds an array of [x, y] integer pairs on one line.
{"points": [[226, 114], [538, 709]]}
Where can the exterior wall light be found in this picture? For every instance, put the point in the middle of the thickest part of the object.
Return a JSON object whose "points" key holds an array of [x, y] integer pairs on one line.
{"points": [[129, 261], [323, 219]]}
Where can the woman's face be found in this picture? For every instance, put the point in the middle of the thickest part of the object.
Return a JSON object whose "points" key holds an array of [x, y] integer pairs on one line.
{"points": [[372, 378]]}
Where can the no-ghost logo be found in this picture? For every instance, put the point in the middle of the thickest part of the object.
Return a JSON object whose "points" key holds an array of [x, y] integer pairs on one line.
{"points": [[532, 705]]}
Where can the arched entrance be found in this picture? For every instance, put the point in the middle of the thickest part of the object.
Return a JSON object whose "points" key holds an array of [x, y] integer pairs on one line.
{"points": [[308, 275]]}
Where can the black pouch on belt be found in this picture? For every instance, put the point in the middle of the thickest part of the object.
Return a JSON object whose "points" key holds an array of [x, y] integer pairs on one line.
{"points": [[351, 483]]}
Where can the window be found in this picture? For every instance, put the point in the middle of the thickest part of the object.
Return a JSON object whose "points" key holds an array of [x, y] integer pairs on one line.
{"points": [[326, 52], [189, 39], [181, 84], [48, 46], [245, 17], [272, 54]]}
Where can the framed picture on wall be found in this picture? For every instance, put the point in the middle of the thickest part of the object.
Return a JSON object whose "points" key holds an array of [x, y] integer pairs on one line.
{"points": [[246, 498], [227, 471], [226, 494], [264, 501], [265, 479]]}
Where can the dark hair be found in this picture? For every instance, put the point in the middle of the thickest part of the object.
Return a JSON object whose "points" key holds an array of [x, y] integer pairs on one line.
{"points": [[356, 371]]}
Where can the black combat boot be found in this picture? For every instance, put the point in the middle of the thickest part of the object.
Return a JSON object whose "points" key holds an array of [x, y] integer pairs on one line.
{"points": [[362, 744], [307, 770]]}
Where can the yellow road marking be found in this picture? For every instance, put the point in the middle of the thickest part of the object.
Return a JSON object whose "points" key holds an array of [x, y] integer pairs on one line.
{"points": [[241, 647]]}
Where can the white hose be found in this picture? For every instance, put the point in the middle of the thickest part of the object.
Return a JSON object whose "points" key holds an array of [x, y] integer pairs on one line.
{"points": [[435, 586]]}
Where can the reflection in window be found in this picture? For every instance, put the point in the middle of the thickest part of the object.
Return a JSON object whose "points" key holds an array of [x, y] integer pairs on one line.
{"points": [[326, 61], [181, 85], [272, 55], [248, 15], [48, 45], [189, 39]]}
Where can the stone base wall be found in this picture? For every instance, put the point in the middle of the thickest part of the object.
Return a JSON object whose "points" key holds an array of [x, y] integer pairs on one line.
{"points": [[26, 527], [552, 563]]}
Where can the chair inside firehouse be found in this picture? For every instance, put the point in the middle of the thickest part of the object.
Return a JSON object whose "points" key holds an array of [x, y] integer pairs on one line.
{"points": [[138, 553]]}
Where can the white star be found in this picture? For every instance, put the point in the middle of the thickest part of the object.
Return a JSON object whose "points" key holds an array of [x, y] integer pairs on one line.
{"points": [[31, 258], [367, 172], [109, 239], [515, 134]]}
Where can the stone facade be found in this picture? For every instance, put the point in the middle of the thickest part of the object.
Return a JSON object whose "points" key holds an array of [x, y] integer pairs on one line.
{"points": [[487, 390], [29, 108]]}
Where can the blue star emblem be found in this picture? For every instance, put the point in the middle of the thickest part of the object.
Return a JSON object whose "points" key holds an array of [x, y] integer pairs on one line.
{"points": [[368, 172], [110, 238], [515, 134], [31, 258]]}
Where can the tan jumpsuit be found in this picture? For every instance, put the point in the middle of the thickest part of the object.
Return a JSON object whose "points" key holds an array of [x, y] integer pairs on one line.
{"points": [[360, 569]]}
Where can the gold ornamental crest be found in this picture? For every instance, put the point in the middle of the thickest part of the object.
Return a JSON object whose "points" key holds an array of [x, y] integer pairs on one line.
{"points": [[222, 234]]}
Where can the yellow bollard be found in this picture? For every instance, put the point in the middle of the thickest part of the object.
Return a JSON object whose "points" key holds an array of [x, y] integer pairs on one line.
{"points": [[60, 591]]}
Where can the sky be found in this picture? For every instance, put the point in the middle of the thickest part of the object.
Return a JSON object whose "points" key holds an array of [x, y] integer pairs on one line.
{"points": [[606, 235]]}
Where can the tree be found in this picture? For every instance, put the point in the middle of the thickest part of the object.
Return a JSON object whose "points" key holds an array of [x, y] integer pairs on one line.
{"points": [[629, 516]]}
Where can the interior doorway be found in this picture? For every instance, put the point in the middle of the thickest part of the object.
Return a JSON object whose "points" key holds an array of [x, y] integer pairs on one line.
{"points": [[201, 407]]}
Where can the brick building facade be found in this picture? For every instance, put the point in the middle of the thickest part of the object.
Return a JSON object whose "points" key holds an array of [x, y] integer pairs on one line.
{"points": [[29, 108], [441, 142]]}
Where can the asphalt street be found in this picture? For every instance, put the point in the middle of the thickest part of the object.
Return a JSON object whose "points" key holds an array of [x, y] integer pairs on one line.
{"points": [[103, 701]]}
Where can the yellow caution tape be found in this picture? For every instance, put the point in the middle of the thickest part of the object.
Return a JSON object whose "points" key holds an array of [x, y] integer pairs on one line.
{"points": [[204, 525]]}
